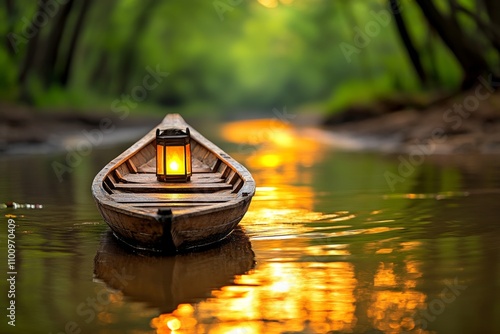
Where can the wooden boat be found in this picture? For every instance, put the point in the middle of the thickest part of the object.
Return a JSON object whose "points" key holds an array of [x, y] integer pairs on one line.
{"points": [[170, 217], [164, 282]]}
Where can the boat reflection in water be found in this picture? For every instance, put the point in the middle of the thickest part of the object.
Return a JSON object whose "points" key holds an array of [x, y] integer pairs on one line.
{"points": [[169, 282]]}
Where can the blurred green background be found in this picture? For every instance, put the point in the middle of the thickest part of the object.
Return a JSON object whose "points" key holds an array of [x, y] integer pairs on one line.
{"points": [[230, 56]]}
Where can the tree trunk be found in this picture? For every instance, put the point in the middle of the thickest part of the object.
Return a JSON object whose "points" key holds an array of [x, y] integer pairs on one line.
{"points": [[64, 76], [129, 52], [364, 56], [435, 78], [29, 58], [11, 16], [488, 29], [463, 48], [493, 9], [54, 43], [412, 51], [100, 75], [100, 78]]}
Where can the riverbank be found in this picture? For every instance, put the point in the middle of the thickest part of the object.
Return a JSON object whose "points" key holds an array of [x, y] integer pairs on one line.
{"points": [[25, 130], [465, 123]]}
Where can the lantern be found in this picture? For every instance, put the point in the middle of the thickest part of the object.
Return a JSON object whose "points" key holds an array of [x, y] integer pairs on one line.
{"points": [[173, 155]]}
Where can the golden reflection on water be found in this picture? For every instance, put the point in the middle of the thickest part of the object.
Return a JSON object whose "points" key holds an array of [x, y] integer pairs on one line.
{"points": [[275, 297], [300, 286], [270, 144], [303, 298], [395, 303]]}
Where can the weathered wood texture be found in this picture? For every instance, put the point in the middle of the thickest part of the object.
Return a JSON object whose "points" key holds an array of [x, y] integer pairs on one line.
{"points": [[205, 210]]}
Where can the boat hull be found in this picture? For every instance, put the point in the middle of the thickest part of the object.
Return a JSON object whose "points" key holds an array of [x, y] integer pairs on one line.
{"points": [[182, 234]]}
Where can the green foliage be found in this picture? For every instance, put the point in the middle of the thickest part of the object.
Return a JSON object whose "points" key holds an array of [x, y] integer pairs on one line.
{"points": [[243, 57], [359, 92], [8, 84]]}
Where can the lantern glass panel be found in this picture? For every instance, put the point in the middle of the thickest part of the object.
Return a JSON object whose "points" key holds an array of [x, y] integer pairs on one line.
{"points": [[188, 159], [175, 160], [159, 158]]}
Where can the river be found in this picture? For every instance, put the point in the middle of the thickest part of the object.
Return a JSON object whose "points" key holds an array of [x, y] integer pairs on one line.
{"points": [[333, 242]]}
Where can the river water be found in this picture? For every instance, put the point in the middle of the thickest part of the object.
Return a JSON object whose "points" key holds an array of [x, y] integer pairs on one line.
{"points": [[334, 242]]}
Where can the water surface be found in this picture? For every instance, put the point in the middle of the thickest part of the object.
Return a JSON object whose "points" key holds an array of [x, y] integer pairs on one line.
{"points": [[326, 246]]}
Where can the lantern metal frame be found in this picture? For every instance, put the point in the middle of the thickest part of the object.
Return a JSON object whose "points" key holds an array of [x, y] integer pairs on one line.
{"points": [[173, 137]]}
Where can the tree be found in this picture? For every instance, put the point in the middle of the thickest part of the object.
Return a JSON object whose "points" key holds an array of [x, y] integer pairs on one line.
{"points": [[53, 43], [11, 14], [63, 78], [466, 51], [407, 41], [129, 52], [29, 56], [493, 11]]}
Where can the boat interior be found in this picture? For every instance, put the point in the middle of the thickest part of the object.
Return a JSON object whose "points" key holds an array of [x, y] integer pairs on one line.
{"points": [[133, 181]]}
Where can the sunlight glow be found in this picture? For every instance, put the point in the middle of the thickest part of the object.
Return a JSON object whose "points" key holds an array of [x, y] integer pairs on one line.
{"points": [[395, 309], [264, 189], [184, 310], [270, 160], [174, 324], [274, 3], [269, 3], [281, 287]]}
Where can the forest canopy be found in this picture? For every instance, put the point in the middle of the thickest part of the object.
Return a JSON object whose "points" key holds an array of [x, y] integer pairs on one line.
{"points": [[243, 54]]}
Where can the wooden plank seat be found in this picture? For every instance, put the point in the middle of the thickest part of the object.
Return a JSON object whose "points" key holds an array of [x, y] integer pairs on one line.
{"points": [[170, 205], [171, 198], [159, 187]]}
